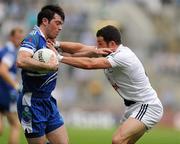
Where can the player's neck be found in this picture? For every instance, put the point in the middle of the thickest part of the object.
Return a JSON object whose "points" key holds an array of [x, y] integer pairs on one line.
{"points": [[42, 29]]}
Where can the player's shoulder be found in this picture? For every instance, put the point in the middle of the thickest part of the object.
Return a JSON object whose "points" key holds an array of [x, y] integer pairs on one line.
{"points": [[123, 55], [3, 50], [34, 34], [125, 51], [35, 31], [121, 51], [32, 37]]}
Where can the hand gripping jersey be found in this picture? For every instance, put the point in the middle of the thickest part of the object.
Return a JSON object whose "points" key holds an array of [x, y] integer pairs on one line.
{"points": [[35, 82]]}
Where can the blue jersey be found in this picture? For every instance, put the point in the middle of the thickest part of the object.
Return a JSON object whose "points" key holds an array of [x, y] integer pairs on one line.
{"points": [[35, 82], [8, 56], [37, 109], [8, 95]]}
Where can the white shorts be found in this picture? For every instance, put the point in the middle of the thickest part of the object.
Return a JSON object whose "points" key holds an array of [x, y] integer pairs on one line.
{"points": [[149, 114]]}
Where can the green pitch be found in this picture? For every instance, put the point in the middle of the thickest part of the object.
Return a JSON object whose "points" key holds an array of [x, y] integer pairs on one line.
{"points": [[101, 136]]}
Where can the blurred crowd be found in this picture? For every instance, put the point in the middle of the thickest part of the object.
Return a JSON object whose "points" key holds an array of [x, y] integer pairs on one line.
{"points": [[150, 28]]}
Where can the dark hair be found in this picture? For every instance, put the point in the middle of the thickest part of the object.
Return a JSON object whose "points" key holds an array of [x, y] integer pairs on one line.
{"points": [[48, 12], [110, 33]]}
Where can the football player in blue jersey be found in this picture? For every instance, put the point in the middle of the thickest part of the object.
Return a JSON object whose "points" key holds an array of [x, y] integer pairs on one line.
{"points": [[9, 85], [37, 109]]}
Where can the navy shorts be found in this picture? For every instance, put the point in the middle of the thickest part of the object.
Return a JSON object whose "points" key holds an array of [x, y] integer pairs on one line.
{"points": [[38, 115], [8, 99]]}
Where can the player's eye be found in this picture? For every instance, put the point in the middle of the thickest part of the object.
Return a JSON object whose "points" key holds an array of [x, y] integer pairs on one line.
{"points": [[58, 23]]}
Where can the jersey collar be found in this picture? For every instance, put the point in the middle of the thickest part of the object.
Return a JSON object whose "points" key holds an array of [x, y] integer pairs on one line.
{"points": [[39, 31], [119, 47]]}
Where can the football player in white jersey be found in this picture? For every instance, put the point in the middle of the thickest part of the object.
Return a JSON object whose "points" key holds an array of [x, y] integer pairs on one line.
{"points": [[126, 73]]}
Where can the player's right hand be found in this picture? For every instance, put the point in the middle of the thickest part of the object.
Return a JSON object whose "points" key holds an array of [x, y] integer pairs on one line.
{"points": [[53, 63], [103, 51]]}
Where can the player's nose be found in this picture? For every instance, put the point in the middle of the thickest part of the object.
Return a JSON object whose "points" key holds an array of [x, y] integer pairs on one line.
{"points": [[60, 27]]}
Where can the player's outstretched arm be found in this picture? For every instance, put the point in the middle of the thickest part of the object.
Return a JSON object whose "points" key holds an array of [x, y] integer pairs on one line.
{"points": [[78, 50], [81, 50], [25, 61], [73, 47], [86, 63], [90, 53]]}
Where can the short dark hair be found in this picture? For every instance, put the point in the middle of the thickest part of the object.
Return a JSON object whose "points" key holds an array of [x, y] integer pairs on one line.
{"points": [[110, 33], [48, 12]]}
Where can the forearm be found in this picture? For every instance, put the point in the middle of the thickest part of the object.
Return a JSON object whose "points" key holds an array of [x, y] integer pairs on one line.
{"points": [[7, 78], [73, 48], [78, 49], [83, 63], [81, 54], [32, 64]]}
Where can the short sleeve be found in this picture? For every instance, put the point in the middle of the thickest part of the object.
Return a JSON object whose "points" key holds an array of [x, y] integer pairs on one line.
{"points": [[118, 59], [29, 44], [8, 59]]}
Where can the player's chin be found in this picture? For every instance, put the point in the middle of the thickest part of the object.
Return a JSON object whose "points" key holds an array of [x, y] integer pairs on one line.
{"points": [[53, 36]]}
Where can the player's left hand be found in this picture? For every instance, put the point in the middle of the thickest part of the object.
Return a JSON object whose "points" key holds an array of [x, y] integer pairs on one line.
{"points": [[14, 95]]}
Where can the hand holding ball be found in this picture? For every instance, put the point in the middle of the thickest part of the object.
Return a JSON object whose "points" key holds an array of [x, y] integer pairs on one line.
{"points": [[47, 56]]}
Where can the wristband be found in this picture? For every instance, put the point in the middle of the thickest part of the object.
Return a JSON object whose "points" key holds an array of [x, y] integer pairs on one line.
{"points": [[60, 57], [57, 44]]}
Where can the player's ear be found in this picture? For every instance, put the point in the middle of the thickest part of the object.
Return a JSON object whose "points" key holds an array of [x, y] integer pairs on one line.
{"points": [[112, 44], [45, 21]]}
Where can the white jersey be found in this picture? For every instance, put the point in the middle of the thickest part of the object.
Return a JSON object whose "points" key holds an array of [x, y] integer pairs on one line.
{"points": [[128, 76]]}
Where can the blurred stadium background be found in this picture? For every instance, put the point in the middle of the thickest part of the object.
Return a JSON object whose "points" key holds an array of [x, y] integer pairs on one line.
{"points": [[91, 108]]}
